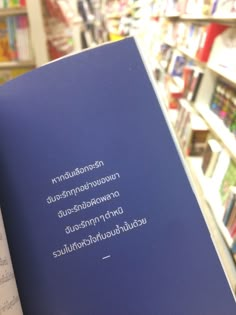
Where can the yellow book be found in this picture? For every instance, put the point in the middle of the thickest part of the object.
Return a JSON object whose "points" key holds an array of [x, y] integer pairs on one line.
{"points": [[4, 43]]}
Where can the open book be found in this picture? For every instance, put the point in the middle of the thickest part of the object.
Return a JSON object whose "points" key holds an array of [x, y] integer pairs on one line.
{"points": [[99, 213]]}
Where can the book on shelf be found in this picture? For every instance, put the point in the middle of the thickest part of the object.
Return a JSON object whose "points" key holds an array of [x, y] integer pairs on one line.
{"points": [[4, 4], [233, 249], [184, 110], [195, 135], [220, 168], [232, 229], [208, 35], [225, 8], [176, 64], [5, 54], [194, 84], [210, 157], [229, 180], [85, 195], [223, 103], [15, 43], [218, 97], [187, 78], [230, 212], [193, 38], [229, 205]]}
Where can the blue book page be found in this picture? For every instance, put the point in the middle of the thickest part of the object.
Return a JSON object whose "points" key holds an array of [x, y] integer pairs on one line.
{"points": [[99, 213]]}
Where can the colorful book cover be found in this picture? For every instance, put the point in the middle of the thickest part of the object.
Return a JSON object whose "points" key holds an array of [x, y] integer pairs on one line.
{"points": [[232, 219], [195, 84], [11, 26], [5, 54], [210, 157], [228, 181], [229, 204]]}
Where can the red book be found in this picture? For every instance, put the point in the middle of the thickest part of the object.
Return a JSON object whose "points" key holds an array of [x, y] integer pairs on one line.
{"points": [[209, 34], [233, 230], [22, 3]]}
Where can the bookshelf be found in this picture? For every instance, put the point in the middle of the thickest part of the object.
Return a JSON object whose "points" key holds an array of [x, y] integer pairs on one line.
{"points": [[24, 34], [206, 192], [35, 13], [218, 128], [167, 37]]}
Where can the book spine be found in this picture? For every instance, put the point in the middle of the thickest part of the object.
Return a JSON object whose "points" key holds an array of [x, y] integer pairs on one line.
{"points": [[12, 36], [194, 86], [232, 231], [229, 206], [23, 39]]}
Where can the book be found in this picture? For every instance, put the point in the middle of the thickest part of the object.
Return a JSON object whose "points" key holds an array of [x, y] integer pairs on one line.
{"points": [[93, 221], [195, 84], [23, 43], [5, 54], [220, 168], [232, 218], [233, 230], [176, 65], [209, 33], [194, 135], [11, 26], [210, 157], [229, 205], [184, 111], [229, 180]]}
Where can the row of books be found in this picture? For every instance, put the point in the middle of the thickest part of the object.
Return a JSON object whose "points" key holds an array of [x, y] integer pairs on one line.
{"points": [[60, 9], [127, 17], [15, 43], [216, 160], [196, 8], [218, 166], [191, 130], [223, 104], [58, 19], [230, 212], [4, 4], [194, 39], [94, 29], [221, 170], [223, 101], [228, 191], [196, 140], [187, 75]]}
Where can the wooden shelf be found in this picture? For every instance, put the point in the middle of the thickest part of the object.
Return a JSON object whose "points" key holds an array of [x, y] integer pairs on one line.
{"points": [[17, 64], [13, 11], [218, 128]]}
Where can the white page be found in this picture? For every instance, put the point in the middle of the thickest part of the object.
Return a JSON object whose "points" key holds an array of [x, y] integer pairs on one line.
{"points": [[9, 298]]}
